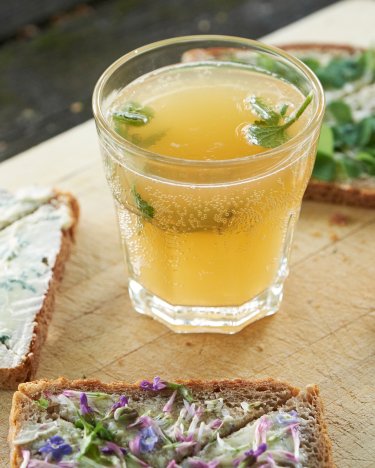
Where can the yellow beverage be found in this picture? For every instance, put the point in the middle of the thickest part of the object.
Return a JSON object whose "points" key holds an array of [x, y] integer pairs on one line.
{"points": [[218, 235]]}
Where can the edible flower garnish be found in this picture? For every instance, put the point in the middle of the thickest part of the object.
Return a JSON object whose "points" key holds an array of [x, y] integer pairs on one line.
{"points": [[84, 405], [169, 405], [145, 441], [158, 384], [172, 464], [123, 401], [250, 457], [148, 439], [55, 448], [111, 448], [203, 464], [261, 429]]}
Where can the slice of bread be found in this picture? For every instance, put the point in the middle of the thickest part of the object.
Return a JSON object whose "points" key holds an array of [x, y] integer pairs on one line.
{"points": [[159, 427], [36, 234], [358, 94]]}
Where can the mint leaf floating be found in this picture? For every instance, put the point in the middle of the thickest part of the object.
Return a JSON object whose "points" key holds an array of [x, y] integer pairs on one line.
{"points": [[145, 208], [264, 111], [268, 132], [133, 114]]}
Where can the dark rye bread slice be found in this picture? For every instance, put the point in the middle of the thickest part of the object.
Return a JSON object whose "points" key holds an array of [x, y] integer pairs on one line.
{"points": [[315, 442], [269, 395], [357, 192], [25, 370], [315, 445]]}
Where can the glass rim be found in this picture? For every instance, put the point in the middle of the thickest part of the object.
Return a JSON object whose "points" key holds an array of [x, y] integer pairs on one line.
{"points": [[101, 122]]}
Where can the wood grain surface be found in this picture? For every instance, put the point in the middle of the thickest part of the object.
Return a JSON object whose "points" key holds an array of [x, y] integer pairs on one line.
{"points": [[324, 332]]}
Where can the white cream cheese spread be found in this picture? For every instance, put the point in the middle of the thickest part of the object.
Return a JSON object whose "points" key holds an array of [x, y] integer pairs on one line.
{"points": [[23, 202], [28, 252]]}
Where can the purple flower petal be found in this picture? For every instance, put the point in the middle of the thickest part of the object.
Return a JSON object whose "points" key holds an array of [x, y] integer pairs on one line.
{"points": [[25, 457], [143, 421], [70, 393], [55, 448], [172, 464], [183, 448], [203, 464], [111, 448], [255, 453], [156, 385], [261, 429], [84, 405], [169, 405], [215, 424], [123, 401], [294, 428], [148, 439], [146, 385], [135, 445], [180, 437]]}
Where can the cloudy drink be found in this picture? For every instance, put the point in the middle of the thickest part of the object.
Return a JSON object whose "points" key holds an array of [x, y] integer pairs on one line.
{"points": [[206, 244]]}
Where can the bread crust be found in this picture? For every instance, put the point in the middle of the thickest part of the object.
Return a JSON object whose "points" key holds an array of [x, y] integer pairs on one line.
{"points": [[11, 377], [325, 444], [33, 390]]}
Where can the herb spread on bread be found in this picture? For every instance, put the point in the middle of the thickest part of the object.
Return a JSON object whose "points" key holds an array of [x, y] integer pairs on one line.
{"points": [[95, 429], [32, 227], [346, 148]]}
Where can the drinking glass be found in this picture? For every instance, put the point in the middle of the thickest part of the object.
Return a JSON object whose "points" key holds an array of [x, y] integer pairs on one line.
{"points": [[207, 242]]}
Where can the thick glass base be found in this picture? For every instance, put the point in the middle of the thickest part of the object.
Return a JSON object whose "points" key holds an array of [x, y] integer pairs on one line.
{"points": [[197, 319]]}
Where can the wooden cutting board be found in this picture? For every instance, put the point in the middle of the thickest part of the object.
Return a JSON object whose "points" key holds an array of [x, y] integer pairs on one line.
{"points": [[324, 332]]}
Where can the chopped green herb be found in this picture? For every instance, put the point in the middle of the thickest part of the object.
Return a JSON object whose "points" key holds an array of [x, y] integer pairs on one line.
{"points": [[267, 132], [143, 206], [133, 114], [184, 391], [43, 403], [4, 338]]}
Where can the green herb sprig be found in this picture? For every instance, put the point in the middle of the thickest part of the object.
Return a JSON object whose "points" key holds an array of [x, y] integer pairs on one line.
{"points": [[133, 114], [346, 148], [341, 70], [4, 338], [269, 132], [184, 391], [143, 206]]}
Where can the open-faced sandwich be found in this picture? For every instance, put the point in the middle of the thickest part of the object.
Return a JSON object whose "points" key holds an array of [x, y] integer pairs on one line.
{"points": [[36, 234], [344, 170], [195, 424]]}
